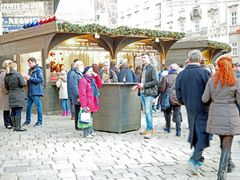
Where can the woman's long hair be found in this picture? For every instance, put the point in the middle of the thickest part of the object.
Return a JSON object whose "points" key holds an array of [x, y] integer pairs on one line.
{"points": [[225, 72]]}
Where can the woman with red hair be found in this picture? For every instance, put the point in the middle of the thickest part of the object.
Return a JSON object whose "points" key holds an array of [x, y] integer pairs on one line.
{"points": [[223, 90]]}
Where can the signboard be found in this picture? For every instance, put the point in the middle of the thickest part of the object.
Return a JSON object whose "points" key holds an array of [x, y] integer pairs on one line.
{"points": [[16, 23]]}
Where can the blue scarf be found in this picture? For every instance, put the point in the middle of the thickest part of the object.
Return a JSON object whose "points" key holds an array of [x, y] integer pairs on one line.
{"points": [[95, 90]]}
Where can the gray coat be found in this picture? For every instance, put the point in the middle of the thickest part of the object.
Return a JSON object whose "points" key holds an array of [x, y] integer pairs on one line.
{"points": [[4, 97], [223, 117], [14, 83]]}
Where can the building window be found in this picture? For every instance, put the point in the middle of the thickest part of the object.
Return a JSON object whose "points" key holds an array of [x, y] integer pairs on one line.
{"points": [[234, 18], [158, 6], [197, 26], [234, 49], [182, 27]]}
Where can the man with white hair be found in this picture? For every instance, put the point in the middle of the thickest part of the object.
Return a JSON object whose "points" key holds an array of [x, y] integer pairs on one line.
{"points": [[190, 85], [75, 76]]}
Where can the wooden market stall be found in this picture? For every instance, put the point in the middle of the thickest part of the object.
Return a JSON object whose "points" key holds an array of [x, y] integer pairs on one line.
{"points": [[211, 50], [43, 41]]}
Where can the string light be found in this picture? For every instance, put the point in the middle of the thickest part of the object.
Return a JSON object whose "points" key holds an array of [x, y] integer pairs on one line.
{"points": [[96, 35]]}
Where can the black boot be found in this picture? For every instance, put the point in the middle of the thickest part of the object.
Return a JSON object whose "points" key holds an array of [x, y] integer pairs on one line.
{"points": [[231, 165], [168, 126], [222, 171], [18, 124]]}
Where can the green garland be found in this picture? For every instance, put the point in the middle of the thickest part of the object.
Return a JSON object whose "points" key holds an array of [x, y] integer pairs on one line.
{"points": [[119, 31], [219, 45]]}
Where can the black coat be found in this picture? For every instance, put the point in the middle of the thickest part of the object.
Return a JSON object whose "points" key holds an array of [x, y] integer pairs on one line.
{"points": [[190, 85], [151, 83], [14, 83], [129, 74]]}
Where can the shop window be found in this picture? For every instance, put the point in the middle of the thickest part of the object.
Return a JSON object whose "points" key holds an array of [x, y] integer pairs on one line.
{"points": [[23, 63]]}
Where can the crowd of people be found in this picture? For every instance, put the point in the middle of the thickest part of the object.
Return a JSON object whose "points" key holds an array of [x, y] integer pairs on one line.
{"points": [[13, 96], [211, 95]]}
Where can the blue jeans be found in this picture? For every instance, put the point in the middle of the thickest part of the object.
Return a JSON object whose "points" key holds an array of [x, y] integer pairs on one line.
{"points": [[64, 104], [38, 103], [147, 102], [197, 154]]}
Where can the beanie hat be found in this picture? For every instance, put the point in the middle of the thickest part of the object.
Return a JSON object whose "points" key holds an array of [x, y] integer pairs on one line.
{"points": [[86, 69]]}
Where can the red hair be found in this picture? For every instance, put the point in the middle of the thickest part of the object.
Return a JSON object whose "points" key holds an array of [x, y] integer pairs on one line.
{"points": [[225, 73]]}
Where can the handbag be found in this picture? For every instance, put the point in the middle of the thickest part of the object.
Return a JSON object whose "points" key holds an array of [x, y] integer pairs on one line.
{"points": [[84, 117], [165, 101]]}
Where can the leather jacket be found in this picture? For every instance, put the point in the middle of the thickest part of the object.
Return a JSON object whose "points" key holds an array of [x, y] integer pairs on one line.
{"points": [[151, 83]]}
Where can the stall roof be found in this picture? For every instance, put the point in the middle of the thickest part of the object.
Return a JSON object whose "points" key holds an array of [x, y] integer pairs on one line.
{"points": [[90, 28], [183, 44]]}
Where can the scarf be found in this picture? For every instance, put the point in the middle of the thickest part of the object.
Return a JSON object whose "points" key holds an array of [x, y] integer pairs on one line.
{"points": [[95, 90]]}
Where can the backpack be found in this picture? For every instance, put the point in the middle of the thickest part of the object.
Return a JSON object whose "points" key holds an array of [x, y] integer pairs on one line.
{"points": [[172, 95]]}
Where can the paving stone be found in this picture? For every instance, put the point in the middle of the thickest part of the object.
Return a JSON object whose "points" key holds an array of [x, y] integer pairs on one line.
{"points": [[8, 177], [58, 151], [15, 169], [31, 177]]}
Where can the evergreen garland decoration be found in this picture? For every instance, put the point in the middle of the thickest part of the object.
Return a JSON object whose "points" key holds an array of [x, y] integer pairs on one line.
{"points": [[219, 45], [119, 31]]}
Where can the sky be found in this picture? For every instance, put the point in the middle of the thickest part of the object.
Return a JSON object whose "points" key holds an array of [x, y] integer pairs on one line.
{"points": [[75, 9]]}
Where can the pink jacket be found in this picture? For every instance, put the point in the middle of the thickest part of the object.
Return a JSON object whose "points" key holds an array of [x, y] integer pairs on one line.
{"points": [[86, 95]]}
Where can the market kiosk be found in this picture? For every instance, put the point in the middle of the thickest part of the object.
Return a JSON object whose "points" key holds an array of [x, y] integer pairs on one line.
{"points": [[56, 44]]}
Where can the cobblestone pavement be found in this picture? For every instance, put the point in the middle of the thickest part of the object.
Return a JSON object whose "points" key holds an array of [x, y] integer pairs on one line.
{"points": [[57, 151]]}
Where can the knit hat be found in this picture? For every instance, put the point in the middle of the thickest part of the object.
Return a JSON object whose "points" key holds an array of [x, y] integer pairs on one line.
{"points": [[86, 69], [195, 55]]}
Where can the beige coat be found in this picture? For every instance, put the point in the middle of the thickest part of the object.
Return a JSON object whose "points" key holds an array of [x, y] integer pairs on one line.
{"points": [[4, 98], [63, 93], [223, 117]]}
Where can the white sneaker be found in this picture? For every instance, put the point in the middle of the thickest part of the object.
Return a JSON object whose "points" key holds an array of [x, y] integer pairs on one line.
{"points": [[94, 134], [89, 136]]}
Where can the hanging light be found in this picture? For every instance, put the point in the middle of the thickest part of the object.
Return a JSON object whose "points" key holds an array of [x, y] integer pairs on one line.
{"points": [[157, 39], [96, 35]]}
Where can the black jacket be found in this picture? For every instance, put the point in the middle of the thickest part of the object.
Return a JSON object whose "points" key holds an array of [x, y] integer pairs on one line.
{"points": [[14, 83], [151, 83]]}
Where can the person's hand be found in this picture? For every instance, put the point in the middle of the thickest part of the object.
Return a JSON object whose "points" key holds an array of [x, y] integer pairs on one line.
{"points": [[108, 81], [140, 85], [26, 77], [86, 109], [94, 74], [135, 88]]}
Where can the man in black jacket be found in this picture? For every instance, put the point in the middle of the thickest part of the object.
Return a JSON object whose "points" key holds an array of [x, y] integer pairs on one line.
{"points": [[148, 90]]}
